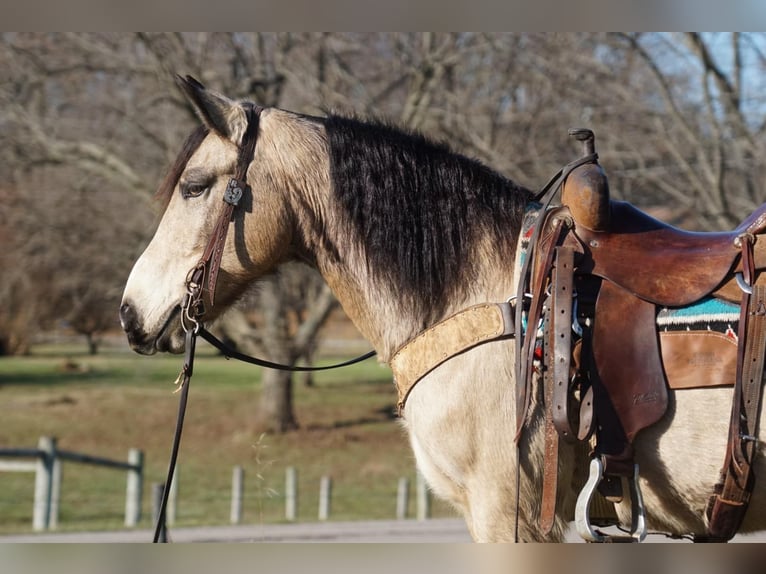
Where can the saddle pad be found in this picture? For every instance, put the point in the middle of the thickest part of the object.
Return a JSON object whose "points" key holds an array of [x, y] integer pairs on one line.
{"points": [[531, 216], [698, 344], [709, 314]]}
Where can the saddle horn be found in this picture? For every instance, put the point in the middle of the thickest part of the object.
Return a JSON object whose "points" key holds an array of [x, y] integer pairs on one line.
{"points": [[586, 190]]}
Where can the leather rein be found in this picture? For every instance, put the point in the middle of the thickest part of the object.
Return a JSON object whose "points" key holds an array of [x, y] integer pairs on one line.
{"points": [[200, 293]]}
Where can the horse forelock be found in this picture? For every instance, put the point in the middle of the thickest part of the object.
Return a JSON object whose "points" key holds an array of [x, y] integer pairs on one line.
{"points": [[169, 182], [423, 214]]}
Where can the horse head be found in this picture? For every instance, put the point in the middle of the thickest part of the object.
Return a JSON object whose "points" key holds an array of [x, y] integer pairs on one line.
{"points": [[260, 229]]}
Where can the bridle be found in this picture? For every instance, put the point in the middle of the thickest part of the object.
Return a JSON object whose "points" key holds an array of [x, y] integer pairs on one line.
{"points": [[201, 285], [203, 277], [200, 295]]}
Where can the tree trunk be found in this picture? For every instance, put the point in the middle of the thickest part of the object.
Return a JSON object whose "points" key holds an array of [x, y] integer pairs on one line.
{"points": [[275, 411], [276, 406], [308, 379], [92, 343]]}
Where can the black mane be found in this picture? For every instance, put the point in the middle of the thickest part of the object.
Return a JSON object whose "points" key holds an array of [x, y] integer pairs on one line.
{"points": [[420, 209]]}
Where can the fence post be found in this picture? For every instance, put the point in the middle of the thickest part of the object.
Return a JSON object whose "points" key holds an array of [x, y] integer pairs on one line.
{"points": [[402, 498], [43, 483], [237, 489], [325, 493], [423, 498], [56, 468], [172, 509], [291, 494], [135, 487]]}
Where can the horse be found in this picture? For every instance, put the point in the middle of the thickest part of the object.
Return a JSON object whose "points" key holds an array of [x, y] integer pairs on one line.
{"points": [[406, 232]]}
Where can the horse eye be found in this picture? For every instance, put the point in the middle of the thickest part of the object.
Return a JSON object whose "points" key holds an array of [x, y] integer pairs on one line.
{"points": [[193, 189]]}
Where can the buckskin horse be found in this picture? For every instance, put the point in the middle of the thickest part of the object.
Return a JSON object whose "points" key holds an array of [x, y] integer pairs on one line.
{"points": [[441, 262]]}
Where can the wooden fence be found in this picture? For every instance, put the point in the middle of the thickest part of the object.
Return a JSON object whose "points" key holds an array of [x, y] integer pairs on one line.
{"points": [[422, 505], [47, 469], [237, 499]]}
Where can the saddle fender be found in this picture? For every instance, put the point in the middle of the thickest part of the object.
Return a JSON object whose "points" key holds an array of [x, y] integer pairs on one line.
{"points": [[625, 344]]}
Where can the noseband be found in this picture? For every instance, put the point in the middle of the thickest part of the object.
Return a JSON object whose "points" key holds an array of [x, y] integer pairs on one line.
{"points": [[200, 296]]}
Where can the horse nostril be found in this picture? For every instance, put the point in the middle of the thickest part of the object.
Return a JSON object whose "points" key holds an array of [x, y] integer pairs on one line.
{"points": [[127, 316]]}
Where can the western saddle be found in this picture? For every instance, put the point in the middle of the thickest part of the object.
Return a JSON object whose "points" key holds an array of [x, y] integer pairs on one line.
{"points": [[596, 276], [606, 368]]}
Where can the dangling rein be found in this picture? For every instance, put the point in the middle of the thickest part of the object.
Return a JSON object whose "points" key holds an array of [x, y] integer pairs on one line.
{"points": [[200, 291]]}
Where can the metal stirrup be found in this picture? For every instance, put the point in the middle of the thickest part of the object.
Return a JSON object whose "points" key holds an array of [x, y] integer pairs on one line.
{"points": [[582, 508]]}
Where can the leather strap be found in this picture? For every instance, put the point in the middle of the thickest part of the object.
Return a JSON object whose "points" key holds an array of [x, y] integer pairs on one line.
{"points": [[230, 353], [551, 439], [200, 286], [160, 534], [525, 348], [202, 279], [460, 332], [533, 280], [561, 309], [728, 505]]}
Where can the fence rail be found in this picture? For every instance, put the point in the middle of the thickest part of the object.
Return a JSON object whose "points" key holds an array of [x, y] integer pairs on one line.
{"points": [[47, 464], [21, 452], [47, 469]]}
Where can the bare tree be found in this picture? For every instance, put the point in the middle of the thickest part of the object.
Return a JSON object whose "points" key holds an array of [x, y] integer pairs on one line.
{"points": [[89, 121], [93, 118], [703, 147]]}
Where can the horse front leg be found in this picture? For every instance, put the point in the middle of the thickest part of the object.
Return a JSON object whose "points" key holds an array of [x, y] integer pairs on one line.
{"points": [[462, 438], [481, 485]]}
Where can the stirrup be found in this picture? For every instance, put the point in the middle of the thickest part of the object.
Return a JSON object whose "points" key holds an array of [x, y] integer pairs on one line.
{"points": [[582, 508]]}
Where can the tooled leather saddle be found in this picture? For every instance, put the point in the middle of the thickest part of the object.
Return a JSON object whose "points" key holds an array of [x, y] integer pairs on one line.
{"points": [[606, 366]]}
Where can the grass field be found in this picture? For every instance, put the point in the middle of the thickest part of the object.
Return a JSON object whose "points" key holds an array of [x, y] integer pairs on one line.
{"points": [[106, 404]]}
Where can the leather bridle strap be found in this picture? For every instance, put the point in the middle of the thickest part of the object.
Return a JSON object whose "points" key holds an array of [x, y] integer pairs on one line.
{"points": [[230, 353], [184, 380], [200, 285], [202, 279], [160, 534], [200, 291]]}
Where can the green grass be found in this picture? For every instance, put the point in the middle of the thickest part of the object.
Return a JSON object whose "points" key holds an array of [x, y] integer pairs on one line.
{"points": [[106, 404]]}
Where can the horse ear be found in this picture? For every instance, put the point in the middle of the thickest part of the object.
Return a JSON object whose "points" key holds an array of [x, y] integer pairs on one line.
{"points": [[219, 113]]}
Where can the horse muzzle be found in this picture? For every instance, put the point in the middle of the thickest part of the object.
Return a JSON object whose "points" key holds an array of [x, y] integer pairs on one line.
{"points": [[165, 339]]}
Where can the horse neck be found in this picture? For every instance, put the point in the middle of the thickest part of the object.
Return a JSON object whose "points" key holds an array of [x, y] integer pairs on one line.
{"points": [[387, 306], [377, 309]]}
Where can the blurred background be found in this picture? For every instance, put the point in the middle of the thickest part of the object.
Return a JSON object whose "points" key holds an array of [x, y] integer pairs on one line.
{"points": [[89, 122]]}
